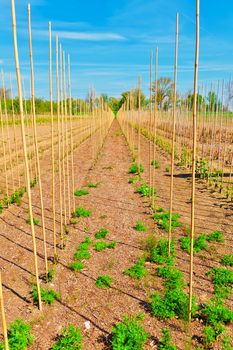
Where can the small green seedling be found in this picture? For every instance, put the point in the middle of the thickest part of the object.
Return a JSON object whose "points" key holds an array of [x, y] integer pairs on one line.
{"points": [[158, 252], [19, 336], [222, 279], [70, 339], [92, 185], [162, 220], [102, 245], [35, 221], [81, 212], [140, 226], [79, 193], [227, 260], [134, 169], [103, 281], [138, 270], [76, 266], [132, 180], [165, 342], [146, 191], [82, 254], [47, 296], [102, 233], [156, 164], [167, 170], [129, 334]]}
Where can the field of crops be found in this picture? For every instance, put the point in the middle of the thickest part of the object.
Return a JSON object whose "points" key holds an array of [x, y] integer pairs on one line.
{"points": [[115, 222]]}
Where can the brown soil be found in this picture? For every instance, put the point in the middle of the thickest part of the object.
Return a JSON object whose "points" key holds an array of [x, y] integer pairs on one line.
{"points": [[116, 206]]}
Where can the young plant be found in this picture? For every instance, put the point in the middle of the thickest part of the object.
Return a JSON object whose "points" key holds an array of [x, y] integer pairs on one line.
{"points": [[76, 266], [102, 245], [103, 281], [19, 336], [129, 334], [140, 226], [222, 279], [162, 220], [79, 193], [81, 212], [165, 342], [215, 236], [158, 253], [35, 221], [132, 180], [92, 185], [138, 270], [47, 296], [227, 260], [198, 244], [102, 233], [145, 190], [82, 254], [156, 164], [71, 338], [134, 169]]}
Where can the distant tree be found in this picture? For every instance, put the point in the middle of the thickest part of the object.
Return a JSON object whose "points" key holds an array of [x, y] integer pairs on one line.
{"points": [[164, 93]]}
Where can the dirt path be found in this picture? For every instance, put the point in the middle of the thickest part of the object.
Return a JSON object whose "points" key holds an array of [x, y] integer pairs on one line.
{"points": [[115, 206]]}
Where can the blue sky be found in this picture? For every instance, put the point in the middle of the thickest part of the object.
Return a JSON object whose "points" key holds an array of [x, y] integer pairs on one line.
{"points": [[110, 41]]}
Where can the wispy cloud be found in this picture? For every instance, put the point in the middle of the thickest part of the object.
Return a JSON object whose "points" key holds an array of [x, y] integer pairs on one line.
{"points": [[84, 36]]}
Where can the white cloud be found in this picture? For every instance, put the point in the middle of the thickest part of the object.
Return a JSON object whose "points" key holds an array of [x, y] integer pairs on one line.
{"points": [[90, 36]]}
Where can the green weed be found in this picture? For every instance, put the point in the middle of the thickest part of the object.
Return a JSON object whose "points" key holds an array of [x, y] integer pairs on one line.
{"points": [[162, 220], [47, 296], [79, 193], [222, 279], [71, 339], [19, 336], [158, 252], [102, 233], [134, 169], [227, 260], [92, 185], [102, 245], [76, 266], [145, 190], [132, 180], [81, 212], [82, 254], [140, 226], [35, 221], [129, 334], [156, 164], [138, 270], [165, 342], [103, 281]]}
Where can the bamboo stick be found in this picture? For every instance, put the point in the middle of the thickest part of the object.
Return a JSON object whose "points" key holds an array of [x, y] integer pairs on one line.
{"points": [[173, 135], [35, 140], [194, 161], [25, 149], [4, 325], [52, 142], [71, 133]]}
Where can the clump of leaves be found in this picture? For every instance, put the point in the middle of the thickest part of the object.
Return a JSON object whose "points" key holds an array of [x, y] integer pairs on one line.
{"points": [[215, 312], [134, 169], [162, 220], [173, 277], [76, 266], [226, 343], [156, 164], [81, 212], [165, 342], [222, 279], [158, 253], [82, 254], [215, 236], [198, 243], [80, 193], [35, 221], [92, 185], [129, 334], [134, 179], [71, 338], [227, 260], [140, 226], [145, 190], [19, 336], [102, 245], [50, 275], [211, 333], [102, 233], [167, 169], [103, 281], [33, 183], [138, 270], [47, 296]]}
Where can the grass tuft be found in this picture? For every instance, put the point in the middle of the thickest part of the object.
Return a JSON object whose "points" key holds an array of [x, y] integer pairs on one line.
{"points": [[79, 193], [103, 281]]}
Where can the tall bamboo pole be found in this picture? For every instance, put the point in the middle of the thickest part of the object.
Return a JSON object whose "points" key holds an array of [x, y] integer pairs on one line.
{"points": [[4, 326], [139, 123], [71, 132], [35, 139], [25, 149], [59, 141], [194, 160], [150, 121], [155, 122], [4, 151], [52, 142], [173, 135]]}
